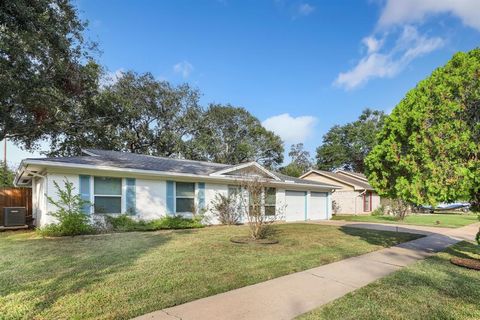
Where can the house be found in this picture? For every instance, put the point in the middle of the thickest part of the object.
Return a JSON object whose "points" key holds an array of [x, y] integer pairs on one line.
{"points": [[149, 187], [356, 195]]}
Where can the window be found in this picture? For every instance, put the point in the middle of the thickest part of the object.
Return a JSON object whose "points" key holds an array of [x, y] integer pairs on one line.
{"points": [[270, 200], [367, 201], [233, 191], [107, 195], [184, 197]]}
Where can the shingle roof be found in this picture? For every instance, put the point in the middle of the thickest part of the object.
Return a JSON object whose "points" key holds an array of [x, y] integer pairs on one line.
{"points": [[129, 160], [355, 174], [344, 178], [138, 161]]}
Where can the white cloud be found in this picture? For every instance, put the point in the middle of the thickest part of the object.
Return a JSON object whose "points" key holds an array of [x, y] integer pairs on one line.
{"points": [[291, 129], [409, 46], [305, 9], [399, 12], [184, 68], [407, 43], [372, 44]]}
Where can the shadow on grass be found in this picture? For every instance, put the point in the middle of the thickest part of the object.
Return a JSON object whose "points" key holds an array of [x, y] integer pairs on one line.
{"points": [[379, 237], [50, 269]]}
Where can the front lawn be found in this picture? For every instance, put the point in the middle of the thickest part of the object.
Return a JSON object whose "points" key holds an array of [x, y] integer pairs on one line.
{"points": [[430, 289], [444, 220], [128, 274]]}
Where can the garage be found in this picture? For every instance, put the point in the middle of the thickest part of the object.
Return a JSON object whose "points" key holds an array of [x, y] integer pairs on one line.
{"points": [[317, 208], [295, 205]]}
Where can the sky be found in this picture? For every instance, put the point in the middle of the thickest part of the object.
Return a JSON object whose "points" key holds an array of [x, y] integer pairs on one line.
{"points": [[298, 66]]}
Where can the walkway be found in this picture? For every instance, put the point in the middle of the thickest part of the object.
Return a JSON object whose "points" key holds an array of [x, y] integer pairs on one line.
{"points": [[289, 296]]}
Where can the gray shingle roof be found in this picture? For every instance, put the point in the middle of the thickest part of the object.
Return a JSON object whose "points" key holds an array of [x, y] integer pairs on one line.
{"points": [[129, 160]]}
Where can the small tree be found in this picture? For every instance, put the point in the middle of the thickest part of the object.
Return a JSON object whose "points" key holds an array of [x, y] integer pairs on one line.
{"points": [[225, 208], [253, 197], [6, 175], [71, 220]]}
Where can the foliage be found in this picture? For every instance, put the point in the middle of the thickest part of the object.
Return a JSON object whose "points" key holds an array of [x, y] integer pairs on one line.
{"points": [[6, 175], [252, 199], [379, 211], [125, 222], [231, 135], [300, 163], [346, 146], [137, 113], [46, 69], [71, 220], [428, 150], [226, 209]]}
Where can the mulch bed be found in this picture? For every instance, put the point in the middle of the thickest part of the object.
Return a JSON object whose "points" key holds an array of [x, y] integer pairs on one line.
{"points": [[466, 263], [248, 240]]}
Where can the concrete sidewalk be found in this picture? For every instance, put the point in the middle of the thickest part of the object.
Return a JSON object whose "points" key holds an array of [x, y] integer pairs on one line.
{"points": [[289, 296]]}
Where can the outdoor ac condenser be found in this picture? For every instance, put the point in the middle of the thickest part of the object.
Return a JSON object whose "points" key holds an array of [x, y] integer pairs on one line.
{"points": [[13, 216]]}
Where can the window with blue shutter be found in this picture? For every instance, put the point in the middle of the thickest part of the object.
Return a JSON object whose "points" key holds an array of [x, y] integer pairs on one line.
{"points": [[170, 197], [130, 195], [201, 195], [85, 193]]}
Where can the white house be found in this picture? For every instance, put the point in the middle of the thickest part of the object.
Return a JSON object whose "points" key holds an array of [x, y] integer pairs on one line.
{"points": [[355, 195], [149, 187]]}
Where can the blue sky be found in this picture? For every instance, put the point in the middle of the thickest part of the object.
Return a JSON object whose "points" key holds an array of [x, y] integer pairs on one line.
{"points": [[299, 66]]}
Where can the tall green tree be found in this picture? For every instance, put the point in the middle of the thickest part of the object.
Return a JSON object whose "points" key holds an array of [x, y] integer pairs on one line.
{"points": [[138, 114], [346, 146], [46, 68], [429, 148], [232, 135], [6, 175], [300, 161]]}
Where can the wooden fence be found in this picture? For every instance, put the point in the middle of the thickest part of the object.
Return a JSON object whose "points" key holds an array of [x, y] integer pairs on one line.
{"points": [[16, 197]]}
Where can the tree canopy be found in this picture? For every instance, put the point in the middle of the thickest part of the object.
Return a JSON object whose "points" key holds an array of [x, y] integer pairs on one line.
{"points": [[346, 146], [300, 163], [46, 70], [429, 147], [227, 134], [6, 175]]}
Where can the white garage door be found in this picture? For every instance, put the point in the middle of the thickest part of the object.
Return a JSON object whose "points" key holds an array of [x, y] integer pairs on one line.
{"points": [[295, 205], [317, 208]]}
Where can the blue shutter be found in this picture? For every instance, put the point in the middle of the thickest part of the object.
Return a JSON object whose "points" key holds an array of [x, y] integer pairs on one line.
{"points": [[170, 198], [201, 195], [130, 195], [85, 193]]}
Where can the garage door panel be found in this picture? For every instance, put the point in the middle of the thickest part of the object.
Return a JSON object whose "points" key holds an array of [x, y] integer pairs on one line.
{"points": [[295, 205], [317, 209]]}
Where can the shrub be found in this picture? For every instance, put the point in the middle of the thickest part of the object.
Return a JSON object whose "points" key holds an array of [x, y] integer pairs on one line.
{"points": [[124, 222], [71, 220], [380, 211], [226, 209]]}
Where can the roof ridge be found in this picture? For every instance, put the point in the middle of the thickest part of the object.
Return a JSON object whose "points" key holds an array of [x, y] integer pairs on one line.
{"points": [[158, 157]]}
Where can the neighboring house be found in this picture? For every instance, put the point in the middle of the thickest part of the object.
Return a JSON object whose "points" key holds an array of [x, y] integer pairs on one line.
{"points": [[149, 187], [356, 195]]}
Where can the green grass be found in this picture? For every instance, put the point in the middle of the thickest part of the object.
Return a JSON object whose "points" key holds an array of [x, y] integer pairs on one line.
{"points": [[430, 289], [445, 220], [128, 274]]}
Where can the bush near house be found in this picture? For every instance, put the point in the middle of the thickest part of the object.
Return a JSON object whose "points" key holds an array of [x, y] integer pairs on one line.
{"points": [[124, 222]]}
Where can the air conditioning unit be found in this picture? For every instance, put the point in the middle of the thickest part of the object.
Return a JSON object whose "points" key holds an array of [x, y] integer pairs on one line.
{"points": [[13, 217]]}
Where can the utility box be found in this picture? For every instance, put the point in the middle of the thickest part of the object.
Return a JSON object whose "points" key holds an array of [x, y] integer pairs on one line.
{"points": [[13, 217]]}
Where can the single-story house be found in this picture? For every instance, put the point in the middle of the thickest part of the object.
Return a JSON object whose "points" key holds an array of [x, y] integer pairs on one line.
{"points": [[356, 195], [149, 187]]}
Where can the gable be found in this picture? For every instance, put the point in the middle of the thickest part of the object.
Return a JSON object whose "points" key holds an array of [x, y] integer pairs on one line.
{"points": [[251, 169], [313, 176]]}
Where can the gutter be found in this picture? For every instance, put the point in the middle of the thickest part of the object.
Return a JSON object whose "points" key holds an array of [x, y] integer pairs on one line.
{"points": [[166, 174]]}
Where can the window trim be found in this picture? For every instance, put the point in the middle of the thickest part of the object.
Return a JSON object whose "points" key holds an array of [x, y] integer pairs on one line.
{"points": [[193, 197], [121, 195]]}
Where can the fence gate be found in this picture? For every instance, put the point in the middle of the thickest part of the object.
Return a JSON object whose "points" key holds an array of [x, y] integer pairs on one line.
{"points": [[16, 197]]}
